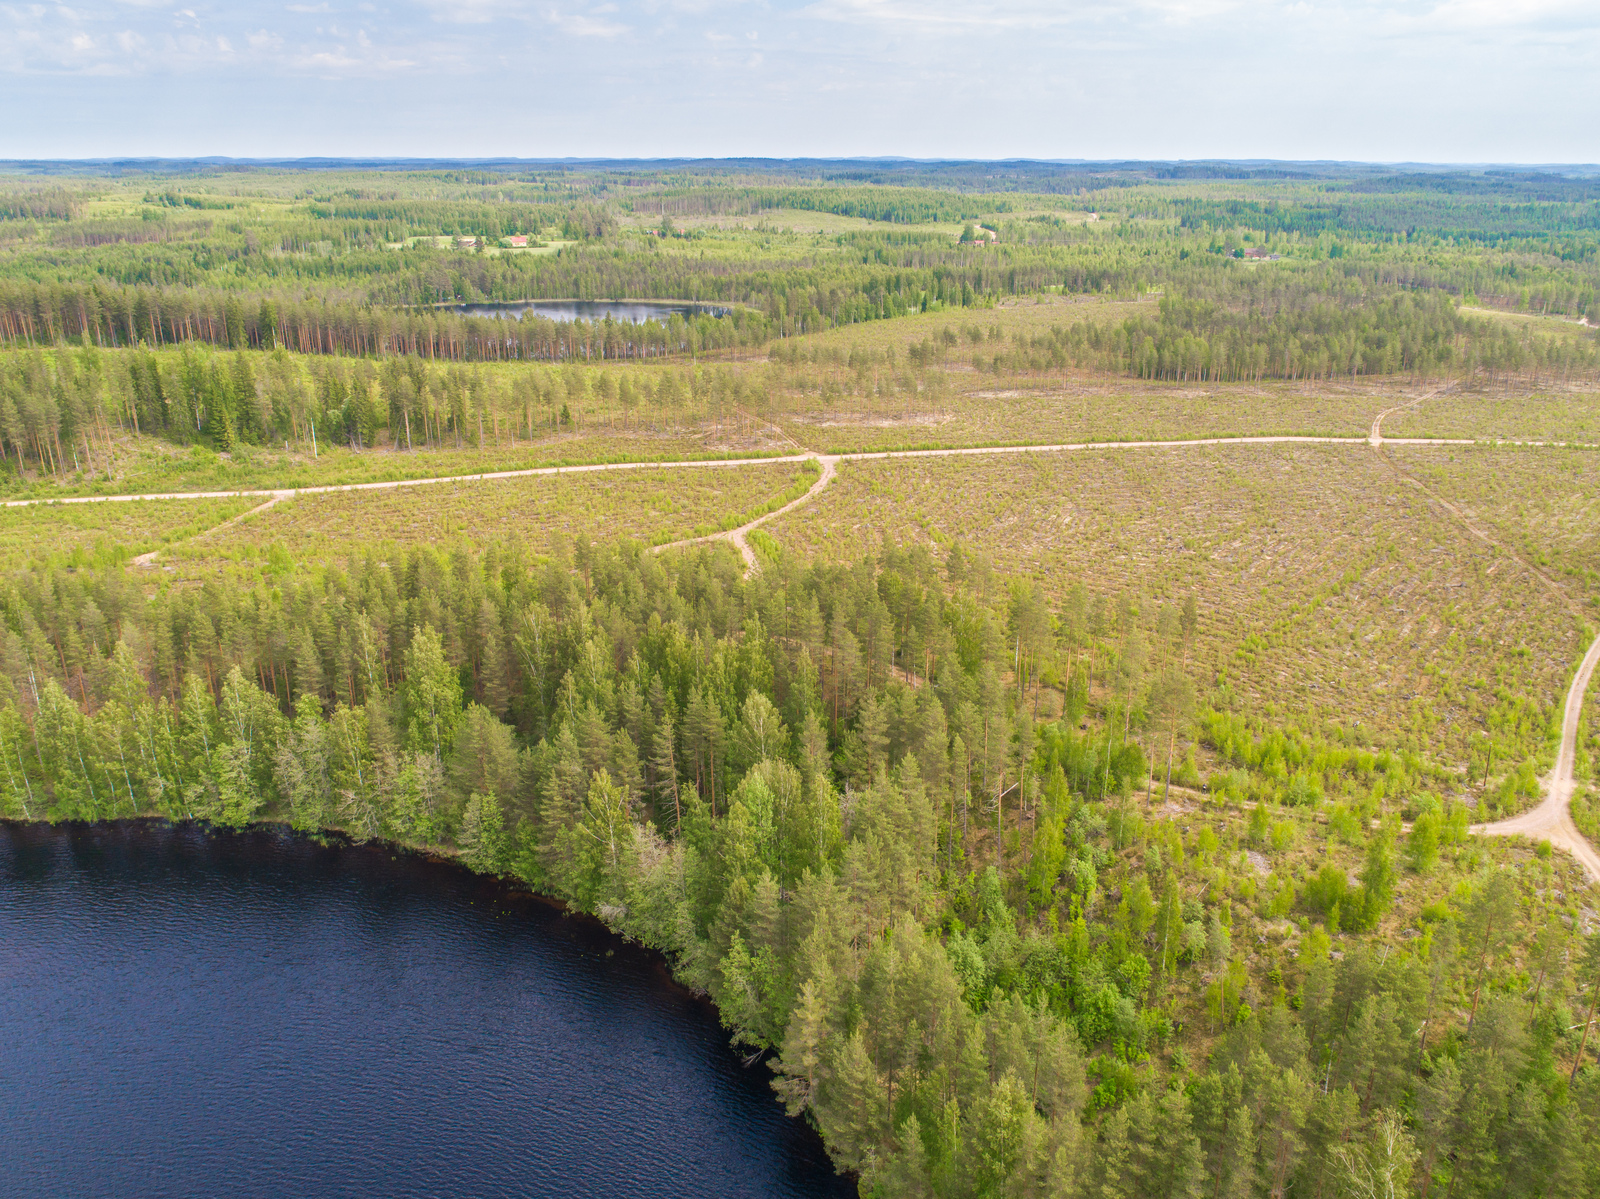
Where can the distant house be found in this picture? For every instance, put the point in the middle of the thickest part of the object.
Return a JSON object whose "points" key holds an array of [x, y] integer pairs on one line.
{"points": [[466, 242], [1254, 252], [517, 241]]}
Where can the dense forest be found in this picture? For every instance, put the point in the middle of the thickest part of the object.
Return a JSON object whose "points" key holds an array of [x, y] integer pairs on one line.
{"points": [[978, 959], [60, 411], [353, 269]]}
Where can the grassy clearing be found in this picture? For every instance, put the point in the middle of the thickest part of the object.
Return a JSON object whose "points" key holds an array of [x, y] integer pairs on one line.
{"points": [[653, 506], [1558, 326], [1330, 596], [1549, 412], [1010, 411], [781, 221], [103, 535], [931, 380], [1543, 503], [145, 465], [1027, 314]]}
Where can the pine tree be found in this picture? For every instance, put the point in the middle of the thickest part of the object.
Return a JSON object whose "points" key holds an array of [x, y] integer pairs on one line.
{"points": [[664, 767], [849, 1105]]}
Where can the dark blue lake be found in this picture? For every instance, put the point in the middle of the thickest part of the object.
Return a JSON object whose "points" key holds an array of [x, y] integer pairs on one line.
{"points": [[195, 1013], [631, 311]]}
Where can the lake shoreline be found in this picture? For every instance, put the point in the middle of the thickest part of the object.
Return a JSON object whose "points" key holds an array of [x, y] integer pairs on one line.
{"points": [[152, 858]]}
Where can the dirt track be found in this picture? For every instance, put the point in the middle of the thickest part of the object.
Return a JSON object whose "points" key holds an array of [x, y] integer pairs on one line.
{"points": [[1551, 820], [738, 537]]}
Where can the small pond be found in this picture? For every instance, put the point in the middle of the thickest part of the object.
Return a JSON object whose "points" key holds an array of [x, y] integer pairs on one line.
{"points": [[632, 311]]}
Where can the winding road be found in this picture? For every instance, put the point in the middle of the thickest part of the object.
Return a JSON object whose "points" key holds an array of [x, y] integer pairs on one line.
{"points": [[1551, 820]]}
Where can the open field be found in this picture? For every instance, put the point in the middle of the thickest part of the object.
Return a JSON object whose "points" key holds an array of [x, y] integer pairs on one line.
{"points": [[998, 323], [1542, 502], [653, 506], [145, 464], [36, 538], [1547, 412], [1329, 593], [1569, 328], [1031, 411]]}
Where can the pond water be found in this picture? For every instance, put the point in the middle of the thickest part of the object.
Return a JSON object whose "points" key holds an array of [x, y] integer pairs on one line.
{"points": [[632, 311], [187, 1012]]}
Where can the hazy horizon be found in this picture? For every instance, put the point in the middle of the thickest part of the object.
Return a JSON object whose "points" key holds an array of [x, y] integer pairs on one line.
{"points": [[823, 165]]}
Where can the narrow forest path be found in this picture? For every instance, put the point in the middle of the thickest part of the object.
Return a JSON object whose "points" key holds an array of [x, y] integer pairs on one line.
{"points": [[389, 484], [277, 498], [1552, 819], [739, 537], [1375, 434]]}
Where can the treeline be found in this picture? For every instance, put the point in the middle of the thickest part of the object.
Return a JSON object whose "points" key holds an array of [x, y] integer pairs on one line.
{"points": [[139, 316], [45, 204], [900, 205], [57, 409], [1292, 332], [394, 219], [42, 315], [1408, 216], [785, 785]]}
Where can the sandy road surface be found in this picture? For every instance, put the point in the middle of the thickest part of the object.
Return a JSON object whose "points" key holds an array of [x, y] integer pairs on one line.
{"points": [[829, 464], [1552, 820], [282, 493]]}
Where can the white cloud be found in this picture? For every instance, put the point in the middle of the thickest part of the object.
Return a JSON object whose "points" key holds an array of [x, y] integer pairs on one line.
{"points": [[1073, 78], [1014, 15], [583, 25], [1480, 19], [328, 60]]}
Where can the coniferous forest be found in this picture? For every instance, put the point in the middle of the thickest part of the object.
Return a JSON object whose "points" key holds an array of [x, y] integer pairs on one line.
{"points": [[1023, 873]]}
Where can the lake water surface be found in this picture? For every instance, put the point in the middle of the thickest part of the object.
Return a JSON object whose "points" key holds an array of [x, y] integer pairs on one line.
{"points": [[631, 311], [194, 1013]]}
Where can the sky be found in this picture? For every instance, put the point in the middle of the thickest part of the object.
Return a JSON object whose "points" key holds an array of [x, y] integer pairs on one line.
{"points": [[1375, 80]]}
